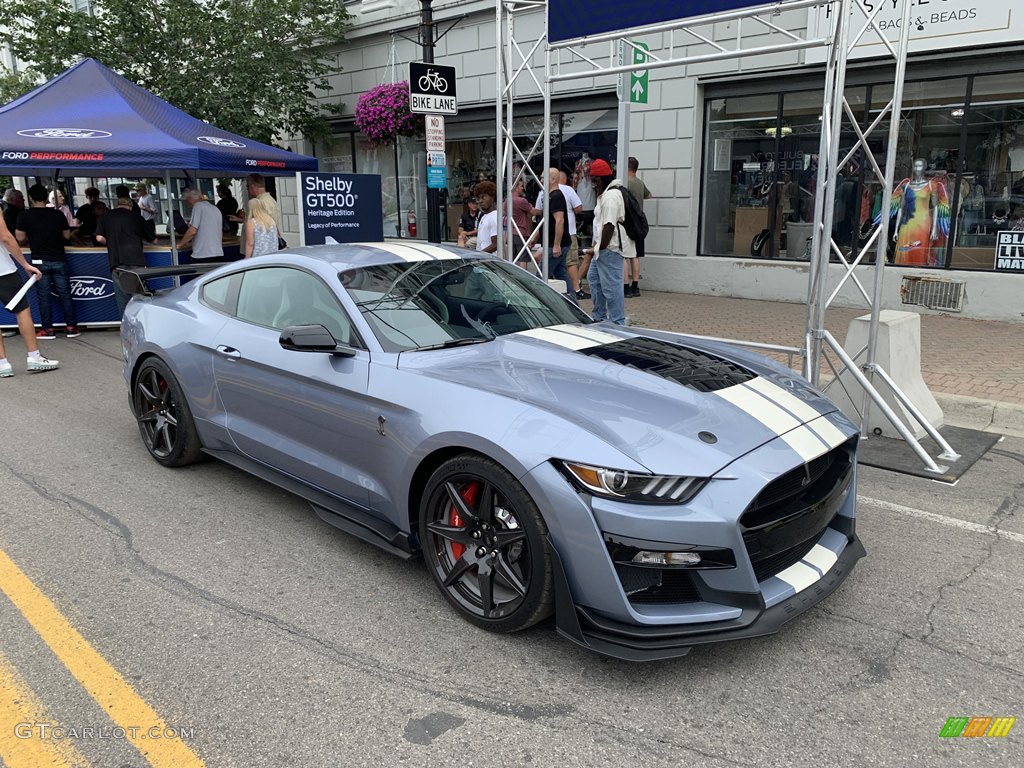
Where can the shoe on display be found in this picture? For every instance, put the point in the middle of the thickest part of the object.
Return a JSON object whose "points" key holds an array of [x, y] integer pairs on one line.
{"points": [[6, 370], [73, 331], [45, 333], [40, 364]]}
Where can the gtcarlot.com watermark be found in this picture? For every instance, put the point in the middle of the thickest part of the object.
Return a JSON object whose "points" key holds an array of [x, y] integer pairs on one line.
{"points": [[56, 732]]}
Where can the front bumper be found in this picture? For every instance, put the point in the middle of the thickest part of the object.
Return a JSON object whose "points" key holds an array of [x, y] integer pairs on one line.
{"points": [[632, 642]]}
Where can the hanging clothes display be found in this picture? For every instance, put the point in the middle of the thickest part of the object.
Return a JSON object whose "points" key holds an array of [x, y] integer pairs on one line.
{"points": [[921, 208]]}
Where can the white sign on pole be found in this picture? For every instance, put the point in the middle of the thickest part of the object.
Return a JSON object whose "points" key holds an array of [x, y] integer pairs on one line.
{"points": [[936, 26], [435, 133]]}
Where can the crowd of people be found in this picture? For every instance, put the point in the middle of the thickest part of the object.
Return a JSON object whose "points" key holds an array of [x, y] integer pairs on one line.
{"points": [[47, 225], [567, 260]]}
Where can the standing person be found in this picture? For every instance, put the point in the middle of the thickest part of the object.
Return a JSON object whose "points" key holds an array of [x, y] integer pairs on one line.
{"points": [[15, 205], [206, 226], [86, 215], [613, 245], [521, 213], [10, 284], [229, 208], [261, 235], [558, 231], [56, 201], [123, 232], [487, 225], [640, 191], [257, 187], [574, 207], [121, 190], [467, 224], [147, 209], [45, 230]]}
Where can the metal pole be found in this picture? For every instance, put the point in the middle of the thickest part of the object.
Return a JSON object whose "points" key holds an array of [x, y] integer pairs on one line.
{"points": [[545, 234], [887, 190], [433, 195], [170, 217], [499, 102], [622, 156]]}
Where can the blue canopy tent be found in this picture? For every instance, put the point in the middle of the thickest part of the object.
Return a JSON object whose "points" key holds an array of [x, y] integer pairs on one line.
{"points": [[91, 121]]}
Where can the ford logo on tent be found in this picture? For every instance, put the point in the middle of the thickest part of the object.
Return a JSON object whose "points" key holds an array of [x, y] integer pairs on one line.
{"points": [[90, 288], [219, 142], [64, 133]]}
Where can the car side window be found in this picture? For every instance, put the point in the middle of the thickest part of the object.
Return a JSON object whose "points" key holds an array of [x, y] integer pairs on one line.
{"points": [[218, 294], [278, 297]]}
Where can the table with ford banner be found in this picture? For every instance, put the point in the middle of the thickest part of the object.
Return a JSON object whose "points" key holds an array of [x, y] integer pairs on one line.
{"points": [[92, 289]]}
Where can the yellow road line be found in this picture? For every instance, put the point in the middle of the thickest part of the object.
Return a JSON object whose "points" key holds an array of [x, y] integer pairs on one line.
{"points": [[20, 743], [111, 691]]}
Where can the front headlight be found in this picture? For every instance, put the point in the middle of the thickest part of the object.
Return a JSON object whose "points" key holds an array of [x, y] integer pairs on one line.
{"points": [[623, 485]]}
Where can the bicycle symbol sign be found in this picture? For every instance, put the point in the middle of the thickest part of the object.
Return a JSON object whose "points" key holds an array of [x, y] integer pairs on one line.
{"points": [[432, 89]]}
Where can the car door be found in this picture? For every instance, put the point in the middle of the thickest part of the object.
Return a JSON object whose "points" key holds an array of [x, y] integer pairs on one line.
{"points": [[302, 413]]}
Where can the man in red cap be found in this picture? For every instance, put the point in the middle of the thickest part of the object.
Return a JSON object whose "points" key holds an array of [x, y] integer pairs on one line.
{"points": [[613, 245]]}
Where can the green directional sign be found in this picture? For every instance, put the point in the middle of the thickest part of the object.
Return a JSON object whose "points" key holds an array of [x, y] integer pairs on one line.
{"points": [[638, 78]]}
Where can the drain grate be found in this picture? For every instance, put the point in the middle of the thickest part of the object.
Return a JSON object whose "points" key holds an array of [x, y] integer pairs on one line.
{"points": [[933, 293]]}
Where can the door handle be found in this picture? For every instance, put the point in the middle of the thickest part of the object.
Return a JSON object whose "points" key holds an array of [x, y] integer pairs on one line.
{"points": [[229, 352]]}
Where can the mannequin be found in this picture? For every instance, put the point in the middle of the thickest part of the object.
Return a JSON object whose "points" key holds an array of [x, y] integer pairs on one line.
{"points": [[921, 208]]}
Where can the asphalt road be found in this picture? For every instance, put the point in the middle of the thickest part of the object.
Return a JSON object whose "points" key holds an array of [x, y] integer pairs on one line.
{"points": [[256, 635]]}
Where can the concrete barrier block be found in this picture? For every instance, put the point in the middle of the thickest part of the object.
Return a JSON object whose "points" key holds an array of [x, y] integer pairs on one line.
{"points": [[898, 352]]}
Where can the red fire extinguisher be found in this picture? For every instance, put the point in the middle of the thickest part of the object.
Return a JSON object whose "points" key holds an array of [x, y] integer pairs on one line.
{"points": [[412, 224]]}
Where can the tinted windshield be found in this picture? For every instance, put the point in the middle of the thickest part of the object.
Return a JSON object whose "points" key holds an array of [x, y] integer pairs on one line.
{"points": [[446, 302]]}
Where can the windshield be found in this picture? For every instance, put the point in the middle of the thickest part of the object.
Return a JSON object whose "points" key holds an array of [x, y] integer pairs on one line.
{"points": [[443, 303]]}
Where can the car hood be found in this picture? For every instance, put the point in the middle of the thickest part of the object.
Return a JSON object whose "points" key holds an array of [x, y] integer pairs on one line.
{"points": [[669, 402]]}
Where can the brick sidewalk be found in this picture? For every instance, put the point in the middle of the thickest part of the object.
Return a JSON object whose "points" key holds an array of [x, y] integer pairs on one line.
{"points": [[971, 358]]}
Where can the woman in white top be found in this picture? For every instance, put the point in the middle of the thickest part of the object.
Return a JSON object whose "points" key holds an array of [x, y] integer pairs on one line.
{"points": [[57, 201], [261, 236]]}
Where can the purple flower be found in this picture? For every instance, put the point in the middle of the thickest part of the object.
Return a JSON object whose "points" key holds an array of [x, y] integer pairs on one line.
{"points": [[382, 114]]}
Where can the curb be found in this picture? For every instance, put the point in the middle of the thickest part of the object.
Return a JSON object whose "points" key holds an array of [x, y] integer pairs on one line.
{"points": [[985, 415]]}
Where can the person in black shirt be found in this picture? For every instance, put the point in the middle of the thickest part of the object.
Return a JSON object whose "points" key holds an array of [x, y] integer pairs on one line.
{"points": [[86, 215], [228, 207], [559, 239], [15, 204], [467, 224], [121, 190], [45, 231], [123, 232]]}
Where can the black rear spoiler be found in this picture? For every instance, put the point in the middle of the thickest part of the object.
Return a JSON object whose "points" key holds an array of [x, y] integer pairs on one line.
{"points": [[133, 279]]}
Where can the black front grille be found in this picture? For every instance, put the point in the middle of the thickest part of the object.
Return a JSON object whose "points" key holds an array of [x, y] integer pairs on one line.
{"points": [[791, 512], [666, 585], [692, 368], [781, 561]]}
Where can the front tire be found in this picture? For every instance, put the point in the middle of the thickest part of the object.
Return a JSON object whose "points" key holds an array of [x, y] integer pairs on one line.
{"points": [[486, 545], [164, 418]]}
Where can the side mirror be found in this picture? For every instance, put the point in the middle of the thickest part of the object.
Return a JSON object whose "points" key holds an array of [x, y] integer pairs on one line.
{"points": [[313, 338]]}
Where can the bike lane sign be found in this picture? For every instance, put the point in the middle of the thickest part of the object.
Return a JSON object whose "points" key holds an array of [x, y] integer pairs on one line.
{"points": [[432, 89]]}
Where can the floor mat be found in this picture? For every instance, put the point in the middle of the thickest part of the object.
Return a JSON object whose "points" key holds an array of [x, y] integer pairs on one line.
{"points": [[898, 456]]}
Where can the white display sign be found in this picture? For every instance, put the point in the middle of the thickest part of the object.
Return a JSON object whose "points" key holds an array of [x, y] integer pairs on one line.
{"points": [[435, 133], [938, 25]]}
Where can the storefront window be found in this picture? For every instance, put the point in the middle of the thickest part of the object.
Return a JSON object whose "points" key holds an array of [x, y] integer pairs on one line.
{"points": [[991, 196]]}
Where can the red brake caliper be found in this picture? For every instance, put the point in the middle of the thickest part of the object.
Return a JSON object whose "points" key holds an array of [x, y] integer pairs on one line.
{"points": [[470, 494]]}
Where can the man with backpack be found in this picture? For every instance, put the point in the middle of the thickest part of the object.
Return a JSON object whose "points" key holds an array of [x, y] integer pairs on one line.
{"points": [[613, 243], [640, 192]]}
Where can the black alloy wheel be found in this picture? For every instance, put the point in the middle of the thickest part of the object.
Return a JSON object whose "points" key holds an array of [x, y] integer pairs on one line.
{"points": [[165, 420], [486, 545]]}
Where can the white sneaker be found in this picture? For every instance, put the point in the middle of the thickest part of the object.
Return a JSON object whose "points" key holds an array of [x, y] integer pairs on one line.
{"points": [[6, 370], [40, 364]]}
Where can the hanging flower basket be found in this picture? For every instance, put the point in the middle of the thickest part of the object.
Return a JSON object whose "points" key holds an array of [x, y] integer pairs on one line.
{"points": [[382, 114]]}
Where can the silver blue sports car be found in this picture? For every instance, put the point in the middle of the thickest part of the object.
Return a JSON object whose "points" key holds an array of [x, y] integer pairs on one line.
{"points": [[652, 491]]}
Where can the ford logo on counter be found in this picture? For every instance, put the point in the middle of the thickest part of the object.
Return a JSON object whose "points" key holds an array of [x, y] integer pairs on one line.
{"points": [[90, 288], [64, 133], [219, 142]]}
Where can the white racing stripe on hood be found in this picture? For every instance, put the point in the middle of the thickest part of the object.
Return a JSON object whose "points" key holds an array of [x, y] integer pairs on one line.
{"points": [[821, 558], [598, 337], [560, 338], [797, 436], [822, 427], [570, 336]]}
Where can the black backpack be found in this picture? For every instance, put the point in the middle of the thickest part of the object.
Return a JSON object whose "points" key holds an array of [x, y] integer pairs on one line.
{"points": [[635, 223]]}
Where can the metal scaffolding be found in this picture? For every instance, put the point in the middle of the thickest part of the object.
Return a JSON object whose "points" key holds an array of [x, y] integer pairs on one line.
{"points": [[530, 69]]}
